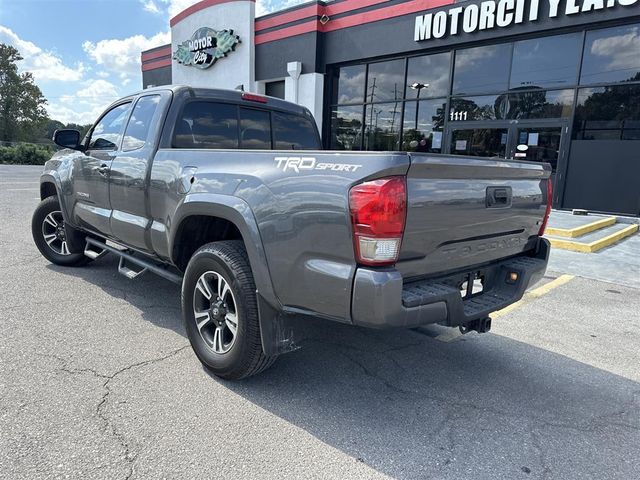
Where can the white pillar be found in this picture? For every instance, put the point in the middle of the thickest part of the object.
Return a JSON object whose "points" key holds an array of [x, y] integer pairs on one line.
{"points": [[307, 90]]}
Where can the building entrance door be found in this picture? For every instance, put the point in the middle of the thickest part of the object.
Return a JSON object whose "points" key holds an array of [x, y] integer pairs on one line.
{"points": [[530, 140]]}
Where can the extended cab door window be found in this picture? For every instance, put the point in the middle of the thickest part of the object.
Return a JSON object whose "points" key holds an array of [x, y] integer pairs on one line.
{"points": [[137, 132], [207, 125], [107, 133], [255, 129], [294, 132]]}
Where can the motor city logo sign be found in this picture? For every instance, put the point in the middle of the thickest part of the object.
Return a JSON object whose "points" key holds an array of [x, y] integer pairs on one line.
{"points": [[502, 13], [205, 47]]}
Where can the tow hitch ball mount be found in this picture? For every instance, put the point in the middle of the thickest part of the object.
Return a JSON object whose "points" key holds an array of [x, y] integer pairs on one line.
{"points": [[481, 325]]}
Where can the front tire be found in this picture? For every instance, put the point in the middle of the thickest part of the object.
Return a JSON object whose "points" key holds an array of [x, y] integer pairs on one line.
{"points": [[50, 236], [220, 311]]}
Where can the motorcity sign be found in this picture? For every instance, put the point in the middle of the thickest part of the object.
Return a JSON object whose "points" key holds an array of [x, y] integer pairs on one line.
{"points": [[205, 47], [502, 13]]}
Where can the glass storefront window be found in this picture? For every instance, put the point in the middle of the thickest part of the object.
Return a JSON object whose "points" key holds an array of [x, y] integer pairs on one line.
{"points": [[349, 84], [546, 62], [428, 76], [346, 128], [513, 106], [611, 55], [423, 125], [480, 142], [482, 69], [382, 126], [486, 107], [385, 81], [539, 104], [608, 113]]}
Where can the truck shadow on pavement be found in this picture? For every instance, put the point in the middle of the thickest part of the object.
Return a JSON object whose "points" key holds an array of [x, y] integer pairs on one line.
{"points": [[411, 406]]}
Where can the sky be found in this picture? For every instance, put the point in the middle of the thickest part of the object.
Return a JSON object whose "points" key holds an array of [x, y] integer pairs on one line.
{"points": [[84, 54]]}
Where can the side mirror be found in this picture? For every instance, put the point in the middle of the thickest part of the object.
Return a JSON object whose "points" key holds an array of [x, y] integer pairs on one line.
{"points": [[68, 138]]}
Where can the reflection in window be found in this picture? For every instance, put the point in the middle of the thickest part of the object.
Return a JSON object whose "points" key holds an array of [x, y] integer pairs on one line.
{"points": [[294, 132], [107, 133], [546, 62], [207, 125], [385, 81], [140, 122], [382, 126], [480, 142], [608, 113], [423, 125], [611, 55], [349, 84], [513, 106], [482, 69], [255, 129], [431, 72], [346, 128]]}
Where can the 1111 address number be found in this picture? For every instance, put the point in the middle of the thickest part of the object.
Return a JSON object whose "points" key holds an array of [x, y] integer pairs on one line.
{"points": [[454, 116]]}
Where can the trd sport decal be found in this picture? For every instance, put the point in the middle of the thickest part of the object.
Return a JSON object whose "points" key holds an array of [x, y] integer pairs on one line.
{"points": [[309, 163]]}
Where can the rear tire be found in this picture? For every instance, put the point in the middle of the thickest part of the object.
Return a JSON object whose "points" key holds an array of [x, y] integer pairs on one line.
{"points": [[49, 235], [220, 311]]}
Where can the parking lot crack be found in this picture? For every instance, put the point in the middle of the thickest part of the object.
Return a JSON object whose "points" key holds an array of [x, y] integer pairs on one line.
{"points": [[129, 455], [542, 459]]}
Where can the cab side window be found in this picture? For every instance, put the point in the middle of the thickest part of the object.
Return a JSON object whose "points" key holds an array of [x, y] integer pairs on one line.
{"points": [[294, 132], [137, 132], [207, 125], [107, 133]]}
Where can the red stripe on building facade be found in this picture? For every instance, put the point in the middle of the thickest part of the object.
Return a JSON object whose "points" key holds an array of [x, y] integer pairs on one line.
{"points": [[163, 52], [351, 20], [165, 62]]}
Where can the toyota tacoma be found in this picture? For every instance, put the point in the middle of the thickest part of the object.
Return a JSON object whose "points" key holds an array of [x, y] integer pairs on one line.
{"points": [[230, 195]]}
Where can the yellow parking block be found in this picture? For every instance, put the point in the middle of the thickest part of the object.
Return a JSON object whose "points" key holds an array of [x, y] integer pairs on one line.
{"points": [[534, 294], [595, 245], [454, 334], [581, 230]]}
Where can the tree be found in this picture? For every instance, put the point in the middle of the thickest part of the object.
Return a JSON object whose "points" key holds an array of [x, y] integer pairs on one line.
{"points": [[22, 112]]}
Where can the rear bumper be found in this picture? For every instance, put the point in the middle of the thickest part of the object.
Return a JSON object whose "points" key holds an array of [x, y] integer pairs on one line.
{"points": [[381, 299]]}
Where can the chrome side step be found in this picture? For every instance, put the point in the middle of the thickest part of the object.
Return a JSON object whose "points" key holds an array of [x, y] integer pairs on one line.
{"points": [[94, 253], [143, 264], [130, 273]]}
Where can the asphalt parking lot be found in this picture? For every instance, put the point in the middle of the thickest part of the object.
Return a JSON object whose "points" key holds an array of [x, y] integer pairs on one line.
{"points": [[97, 381]]}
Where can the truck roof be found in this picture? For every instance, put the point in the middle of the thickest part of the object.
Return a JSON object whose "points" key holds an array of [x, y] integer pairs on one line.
{"points": [[180, 91]]}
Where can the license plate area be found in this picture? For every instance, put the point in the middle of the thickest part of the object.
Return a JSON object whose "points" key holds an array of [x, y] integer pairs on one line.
{"points": [[473, 285]]}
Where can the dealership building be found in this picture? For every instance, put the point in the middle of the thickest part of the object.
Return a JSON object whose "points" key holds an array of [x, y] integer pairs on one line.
{"points": [[540, 80]]}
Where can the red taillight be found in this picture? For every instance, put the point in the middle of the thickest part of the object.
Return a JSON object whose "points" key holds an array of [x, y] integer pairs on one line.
{"points": [[547, 212], [252, 97], [378, 213]]}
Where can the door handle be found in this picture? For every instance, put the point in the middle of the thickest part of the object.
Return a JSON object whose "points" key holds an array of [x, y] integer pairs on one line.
{"points": [[103, 169], [497, 197]]}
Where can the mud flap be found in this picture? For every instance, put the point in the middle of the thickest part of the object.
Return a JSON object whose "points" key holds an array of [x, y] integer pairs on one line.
{"points": [[76, 240], [277, 329]]}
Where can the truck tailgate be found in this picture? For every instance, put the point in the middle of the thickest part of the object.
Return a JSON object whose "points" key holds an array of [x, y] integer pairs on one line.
{"points": [[465, 211]]}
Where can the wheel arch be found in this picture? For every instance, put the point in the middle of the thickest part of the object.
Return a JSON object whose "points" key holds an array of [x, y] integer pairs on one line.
{"points": [[48, 189], [50, 186], [220, 217]]}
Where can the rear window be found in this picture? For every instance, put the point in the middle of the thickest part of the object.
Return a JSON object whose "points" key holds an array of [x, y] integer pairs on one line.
{"points": [[255, 129], [294, 132], [207, 125], [214, 125]]}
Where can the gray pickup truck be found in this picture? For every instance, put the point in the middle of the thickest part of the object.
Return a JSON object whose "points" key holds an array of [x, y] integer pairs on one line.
{"points": [[230, 195]]}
